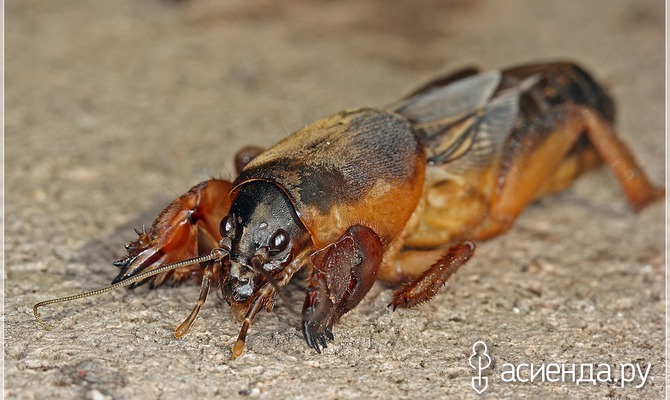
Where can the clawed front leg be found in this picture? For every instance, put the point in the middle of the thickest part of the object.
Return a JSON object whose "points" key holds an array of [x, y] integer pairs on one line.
{"points": [[188, 227], [339, 281]]}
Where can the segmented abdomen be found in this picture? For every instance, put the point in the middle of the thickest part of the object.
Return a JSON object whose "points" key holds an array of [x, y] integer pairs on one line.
{"points": [[557, 84]]}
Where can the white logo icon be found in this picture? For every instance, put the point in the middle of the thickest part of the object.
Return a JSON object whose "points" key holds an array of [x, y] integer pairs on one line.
{"points": [[480, 360]]}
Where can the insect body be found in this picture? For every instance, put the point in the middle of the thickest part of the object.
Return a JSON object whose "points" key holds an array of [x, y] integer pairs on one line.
{"points": [[398, 194]]}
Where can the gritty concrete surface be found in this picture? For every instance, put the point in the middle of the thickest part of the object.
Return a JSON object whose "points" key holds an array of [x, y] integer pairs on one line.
{"points": [[115, 107]]}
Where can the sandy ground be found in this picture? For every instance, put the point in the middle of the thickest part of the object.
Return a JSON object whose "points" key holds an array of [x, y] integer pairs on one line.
{"points": [[115, 107]]}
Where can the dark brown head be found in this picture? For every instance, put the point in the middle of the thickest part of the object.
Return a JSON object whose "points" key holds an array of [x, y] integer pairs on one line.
{"points": [[264, 235]]}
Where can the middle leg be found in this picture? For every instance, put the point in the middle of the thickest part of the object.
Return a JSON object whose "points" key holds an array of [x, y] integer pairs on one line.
{"points": [[430, 282]]}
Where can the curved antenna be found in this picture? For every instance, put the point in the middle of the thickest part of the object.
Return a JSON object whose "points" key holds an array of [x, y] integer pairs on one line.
{"points": [[216, 254]]}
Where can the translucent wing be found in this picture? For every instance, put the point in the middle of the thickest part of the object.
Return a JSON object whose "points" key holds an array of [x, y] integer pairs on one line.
{"points": [[451, 101], [441, 82], [464, 123]]}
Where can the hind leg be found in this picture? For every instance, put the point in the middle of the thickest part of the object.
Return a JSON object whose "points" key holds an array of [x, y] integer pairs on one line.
{"points": [[535, 160], [536, 163]]}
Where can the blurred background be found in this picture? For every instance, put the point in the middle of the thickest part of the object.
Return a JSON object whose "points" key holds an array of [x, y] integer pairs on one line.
{"points": [[115, 108]]}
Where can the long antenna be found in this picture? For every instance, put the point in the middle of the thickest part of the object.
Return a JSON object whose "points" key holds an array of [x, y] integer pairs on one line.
{"points": [[216, 254]]}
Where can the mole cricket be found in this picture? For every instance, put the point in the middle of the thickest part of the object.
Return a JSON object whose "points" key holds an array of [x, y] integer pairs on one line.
{"points": [[398, 194]]}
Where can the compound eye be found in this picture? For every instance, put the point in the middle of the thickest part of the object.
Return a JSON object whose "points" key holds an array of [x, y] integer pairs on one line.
{"points": [[227, 226], [279, 241]]}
